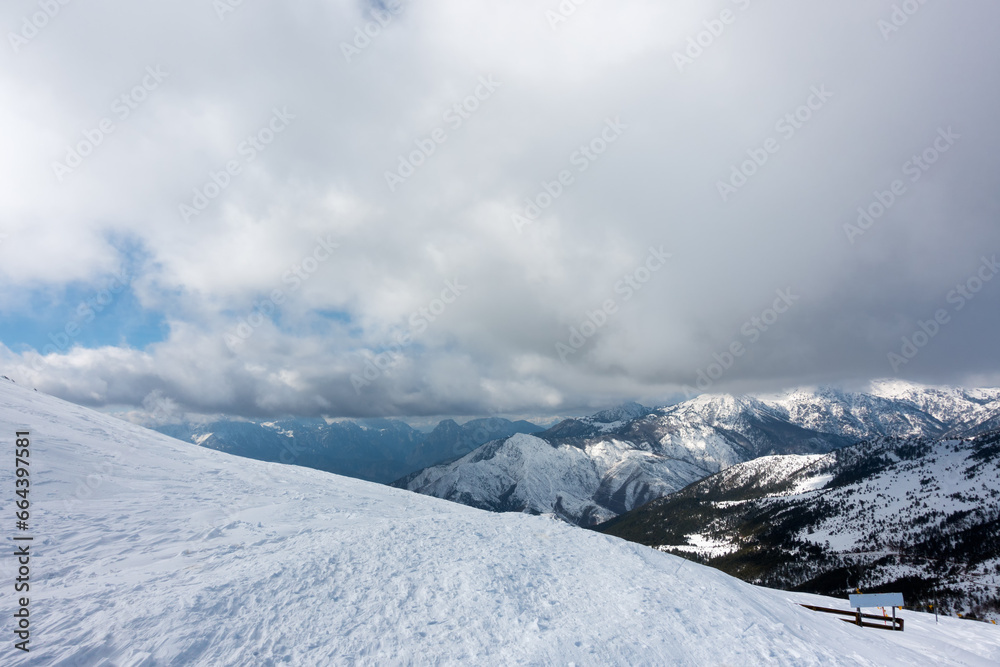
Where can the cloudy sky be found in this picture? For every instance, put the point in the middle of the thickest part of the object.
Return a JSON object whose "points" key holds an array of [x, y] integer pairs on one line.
{"points": [[351, 208]]}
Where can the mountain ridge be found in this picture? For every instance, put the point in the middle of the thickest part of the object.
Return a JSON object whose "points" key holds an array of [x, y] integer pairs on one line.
{"points": [[917, 515], [605, 468], [379, 450]]}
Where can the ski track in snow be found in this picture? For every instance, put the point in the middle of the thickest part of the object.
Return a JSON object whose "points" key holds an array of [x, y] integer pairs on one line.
{"points": [[150, 551]]}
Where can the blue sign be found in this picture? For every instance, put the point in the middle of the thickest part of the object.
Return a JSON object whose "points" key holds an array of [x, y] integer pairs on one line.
{"points": [[877, 600]]}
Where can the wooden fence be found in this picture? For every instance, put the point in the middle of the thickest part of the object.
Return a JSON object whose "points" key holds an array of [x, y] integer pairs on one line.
{"points": [[857, 618]]}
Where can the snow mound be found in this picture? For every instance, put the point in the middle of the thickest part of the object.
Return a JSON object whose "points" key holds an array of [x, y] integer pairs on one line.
{"points": [[151, 551]]}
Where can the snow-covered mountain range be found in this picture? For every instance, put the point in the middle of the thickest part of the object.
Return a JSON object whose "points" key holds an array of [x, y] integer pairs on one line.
{"points": [[148, 551], [378, 450], [916, 515], [589, 470]]}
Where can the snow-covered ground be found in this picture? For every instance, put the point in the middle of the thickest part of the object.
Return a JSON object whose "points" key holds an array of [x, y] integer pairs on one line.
{"points": [[768, 470], [150, 551], [703, 546], [945, 641]]}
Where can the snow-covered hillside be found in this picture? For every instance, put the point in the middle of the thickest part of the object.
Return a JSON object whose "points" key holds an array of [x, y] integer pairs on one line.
{"points": [[763, 473], [579, 483], [150, 551], [602, 466], [918, 515], [950, 405]]}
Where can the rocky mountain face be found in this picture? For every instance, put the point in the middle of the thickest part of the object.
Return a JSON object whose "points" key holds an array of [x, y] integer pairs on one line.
{"points": [[378, 450], [916, 515], [589, 470]]}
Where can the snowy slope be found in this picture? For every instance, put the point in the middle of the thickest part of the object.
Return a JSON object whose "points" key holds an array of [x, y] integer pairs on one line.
{"points": [[150, 551], [950, 405], [912, 514], [765, 472], [862, 415]]}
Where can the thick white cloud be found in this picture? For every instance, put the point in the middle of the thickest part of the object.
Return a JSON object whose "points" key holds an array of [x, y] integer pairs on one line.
{"points": [[494, 349]]}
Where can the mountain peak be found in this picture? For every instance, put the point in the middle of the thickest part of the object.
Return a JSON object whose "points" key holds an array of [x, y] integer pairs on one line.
{"points": [[617, 459], [623, 412]]}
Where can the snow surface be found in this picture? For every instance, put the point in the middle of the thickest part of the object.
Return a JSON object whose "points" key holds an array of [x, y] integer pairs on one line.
{"points": [[810, 484], [934, 486], [703, 545], [914, 493], [151, 551], [768, 470]]}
